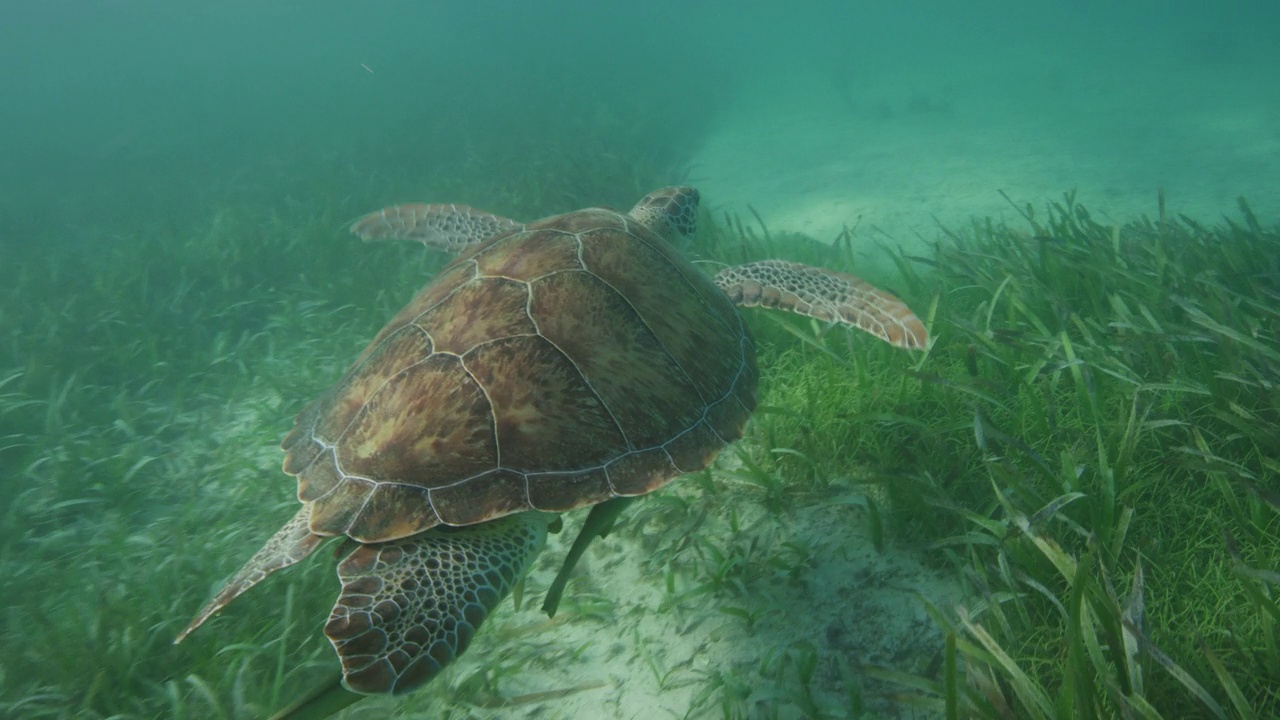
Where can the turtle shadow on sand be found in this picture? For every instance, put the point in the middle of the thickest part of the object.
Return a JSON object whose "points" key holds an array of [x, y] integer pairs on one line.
{"points": [[573, 361]]}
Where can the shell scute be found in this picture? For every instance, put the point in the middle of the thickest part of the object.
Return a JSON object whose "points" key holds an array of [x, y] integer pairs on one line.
{"points": [[618, 355], [640, 472], [301, 446], [394, 511], [695, 449], [586, 220], [728, 415], [476, 499], [435, 292], [430, 426], [333, 512], [685, 322], [530, 255], [396, 352], [480, 310], [547, 416], [320, 477], [557, 492]]}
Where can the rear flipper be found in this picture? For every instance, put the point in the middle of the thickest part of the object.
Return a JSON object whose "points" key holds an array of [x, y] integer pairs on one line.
{"points": [[825, 295], [410, 607], [291, 544]]}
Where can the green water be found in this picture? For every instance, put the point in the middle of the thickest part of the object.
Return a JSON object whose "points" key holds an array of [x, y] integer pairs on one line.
{"points": [[175, 186]]}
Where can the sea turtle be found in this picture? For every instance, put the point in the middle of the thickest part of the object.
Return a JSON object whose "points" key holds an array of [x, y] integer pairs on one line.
{"points": [[578, 360]]}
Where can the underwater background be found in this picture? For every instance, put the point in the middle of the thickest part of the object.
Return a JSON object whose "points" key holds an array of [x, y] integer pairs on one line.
{"points": [[1066, 507]]}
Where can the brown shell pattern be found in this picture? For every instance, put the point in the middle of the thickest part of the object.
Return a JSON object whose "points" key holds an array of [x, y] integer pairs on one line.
{"points": [[577, 360]]}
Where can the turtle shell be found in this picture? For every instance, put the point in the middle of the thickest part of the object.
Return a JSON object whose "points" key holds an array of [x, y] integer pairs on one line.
{"points": [[577, 359]]}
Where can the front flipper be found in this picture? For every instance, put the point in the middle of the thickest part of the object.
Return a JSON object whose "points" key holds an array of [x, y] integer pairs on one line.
{"points": [[291, 544], [410, 607], [825, 295], [450, 228], [598, 524]]}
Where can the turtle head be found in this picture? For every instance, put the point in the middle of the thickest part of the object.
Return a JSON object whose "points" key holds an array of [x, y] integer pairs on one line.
{"points": [[672, 212]]}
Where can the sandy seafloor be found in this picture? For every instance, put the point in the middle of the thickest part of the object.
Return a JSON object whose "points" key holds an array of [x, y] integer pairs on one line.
{"points": [[813, 154], [647, 657]]}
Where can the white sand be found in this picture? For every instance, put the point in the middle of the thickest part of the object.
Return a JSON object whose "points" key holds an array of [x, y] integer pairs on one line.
{"points": [[900, 154], [849, 602]]}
